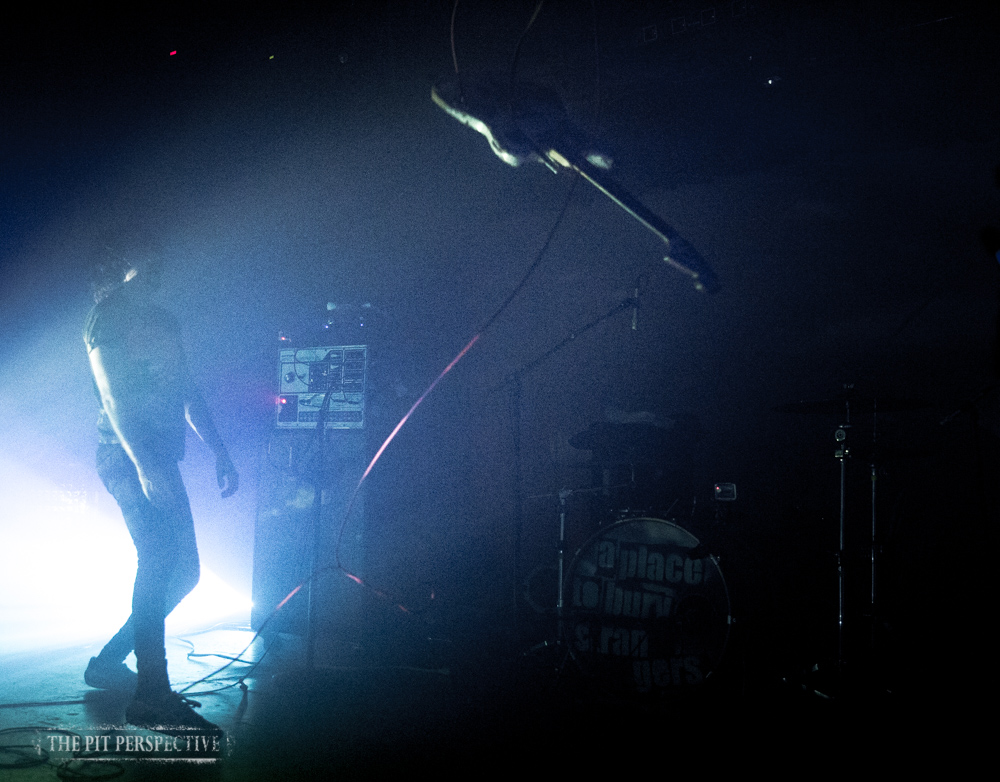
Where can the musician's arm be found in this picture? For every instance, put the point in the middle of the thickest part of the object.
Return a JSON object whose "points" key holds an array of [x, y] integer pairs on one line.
{"points": [[200, 420]]}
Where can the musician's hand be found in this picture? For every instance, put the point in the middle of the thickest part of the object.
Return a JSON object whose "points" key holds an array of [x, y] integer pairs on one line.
{"points": [[229, 479]]}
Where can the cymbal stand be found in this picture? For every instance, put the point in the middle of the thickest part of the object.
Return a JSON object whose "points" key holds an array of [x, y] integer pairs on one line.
{"points": [[873, 552], [842, 454], [561, 558]]}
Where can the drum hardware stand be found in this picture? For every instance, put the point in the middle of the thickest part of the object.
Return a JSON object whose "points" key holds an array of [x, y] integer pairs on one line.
{"points": [[842, 454], [560, 643], [875, 548], [560, 640], [873, 543], [841, 406], [562, 496], [560, 628]]}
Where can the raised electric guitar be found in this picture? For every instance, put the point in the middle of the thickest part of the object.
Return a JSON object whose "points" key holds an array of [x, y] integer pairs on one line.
{"points": [[529, 123]]}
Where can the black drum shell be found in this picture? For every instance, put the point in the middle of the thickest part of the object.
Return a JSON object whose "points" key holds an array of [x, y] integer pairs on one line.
{"points": [[646, 608]]}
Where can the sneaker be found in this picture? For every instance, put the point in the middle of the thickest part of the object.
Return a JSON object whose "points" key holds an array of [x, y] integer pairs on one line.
{"points": [[170, 712], [110, 676]]}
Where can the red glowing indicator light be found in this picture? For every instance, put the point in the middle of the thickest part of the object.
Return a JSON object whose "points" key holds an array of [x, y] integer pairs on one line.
{"points": [[173, 52]]}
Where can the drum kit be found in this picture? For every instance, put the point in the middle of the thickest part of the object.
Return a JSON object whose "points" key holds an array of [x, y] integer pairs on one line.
{"points": [[642, 607]]}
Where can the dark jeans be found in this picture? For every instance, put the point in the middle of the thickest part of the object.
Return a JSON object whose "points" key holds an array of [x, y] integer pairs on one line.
{"points": [[168, 567]]}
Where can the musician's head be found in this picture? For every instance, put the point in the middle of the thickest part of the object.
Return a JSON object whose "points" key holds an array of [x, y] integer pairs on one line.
{"points": [[141, 270]]}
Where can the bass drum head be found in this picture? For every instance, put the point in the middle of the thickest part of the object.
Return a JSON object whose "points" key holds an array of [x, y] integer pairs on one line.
{"points": [[647, 609]]}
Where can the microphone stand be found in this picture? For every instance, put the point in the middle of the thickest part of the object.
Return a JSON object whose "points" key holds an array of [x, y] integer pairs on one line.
{"points": [[515, 379]]}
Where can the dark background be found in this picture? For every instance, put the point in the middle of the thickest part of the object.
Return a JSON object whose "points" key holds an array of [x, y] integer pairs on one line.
{"points": [[834, 163]]}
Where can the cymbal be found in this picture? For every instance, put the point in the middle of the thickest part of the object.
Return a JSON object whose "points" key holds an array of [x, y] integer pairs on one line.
{"points": [[630, 440], [855, 404]]}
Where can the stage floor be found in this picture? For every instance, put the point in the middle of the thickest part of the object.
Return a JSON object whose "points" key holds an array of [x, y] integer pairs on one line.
{"points": [[450, 711]]}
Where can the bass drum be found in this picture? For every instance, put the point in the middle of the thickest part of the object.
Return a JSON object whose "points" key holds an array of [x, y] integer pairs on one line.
{"points": [[647, 609]]}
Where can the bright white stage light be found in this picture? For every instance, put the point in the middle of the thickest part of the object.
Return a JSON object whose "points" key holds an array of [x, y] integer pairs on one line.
{"points": [[66, 571], [212, 601]]}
